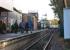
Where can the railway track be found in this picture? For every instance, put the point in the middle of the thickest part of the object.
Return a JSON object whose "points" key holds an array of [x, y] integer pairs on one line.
{"points": [[27, 42], [17, 43], [43, 45], [33, 41]]}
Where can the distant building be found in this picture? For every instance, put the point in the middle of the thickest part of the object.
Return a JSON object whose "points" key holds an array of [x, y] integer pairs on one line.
{"points": [[5, 7], [44, 23], [8, 14], [25, 17], [16, 15], [33, 16], [12, 16], [4, 14]]}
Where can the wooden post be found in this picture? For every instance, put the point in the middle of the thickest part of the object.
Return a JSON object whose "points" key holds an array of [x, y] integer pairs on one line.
{"points": [[65, 2]]}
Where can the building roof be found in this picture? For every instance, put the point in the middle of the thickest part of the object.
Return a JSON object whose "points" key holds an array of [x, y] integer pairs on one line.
{"points": [[4, 9], [33, 13], [17, 10], [24, 14]]}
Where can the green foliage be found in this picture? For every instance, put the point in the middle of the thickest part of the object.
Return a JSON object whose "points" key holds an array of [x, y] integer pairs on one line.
{"points": [[57, 6], [54, 22]]}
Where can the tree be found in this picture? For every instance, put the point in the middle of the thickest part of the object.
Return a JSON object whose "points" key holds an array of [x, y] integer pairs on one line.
{"points": [[57, 6], [54, 22]]}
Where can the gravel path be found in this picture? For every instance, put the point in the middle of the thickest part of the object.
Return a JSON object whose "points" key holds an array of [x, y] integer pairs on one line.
{"points": [[57, 42]]}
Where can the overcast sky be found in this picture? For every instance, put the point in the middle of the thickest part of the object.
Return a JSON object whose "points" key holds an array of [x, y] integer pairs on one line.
{"points": [[35, 5]]}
